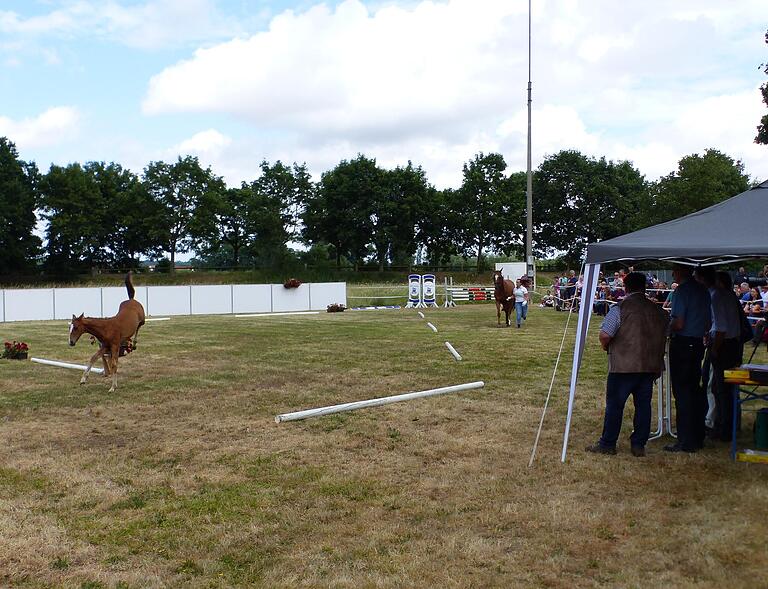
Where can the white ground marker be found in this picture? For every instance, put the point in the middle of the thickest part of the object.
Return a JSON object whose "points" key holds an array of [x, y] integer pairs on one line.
{"points": [[421, 314], [65, 365], [296, 415], [453, 351], [432, 327]]}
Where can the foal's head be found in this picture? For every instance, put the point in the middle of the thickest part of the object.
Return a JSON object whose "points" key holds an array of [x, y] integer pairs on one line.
{"points": [[76, 329], [498, 278]]}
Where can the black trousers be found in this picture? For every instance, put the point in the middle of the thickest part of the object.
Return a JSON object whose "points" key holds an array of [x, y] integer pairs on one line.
{"points": [[685, 356]]}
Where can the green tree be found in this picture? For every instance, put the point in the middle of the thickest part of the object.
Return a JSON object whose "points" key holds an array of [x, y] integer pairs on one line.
{"points": [[404, 195], [279, 197], [75, 210], [491, 219], [438, 225], [190, 198], [700, 181], [580, 200], [762, 128], [342, 211], [132, 220], [18, 201]]}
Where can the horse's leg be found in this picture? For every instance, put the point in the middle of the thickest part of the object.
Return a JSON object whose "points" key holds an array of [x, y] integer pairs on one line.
{"points": [[114, 352], [106, 365], [136, 336], [498, 313], [99, 353]]}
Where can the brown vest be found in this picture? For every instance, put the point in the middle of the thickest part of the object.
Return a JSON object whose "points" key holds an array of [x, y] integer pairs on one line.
{"points": [[638, 345]]}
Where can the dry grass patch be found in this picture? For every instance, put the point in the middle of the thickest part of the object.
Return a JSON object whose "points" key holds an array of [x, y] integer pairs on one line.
{"points": [[182, 478]]}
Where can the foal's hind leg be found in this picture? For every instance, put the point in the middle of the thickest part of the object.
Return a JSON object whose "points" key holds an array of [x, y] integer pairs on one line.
{"points": [[114, 352]]}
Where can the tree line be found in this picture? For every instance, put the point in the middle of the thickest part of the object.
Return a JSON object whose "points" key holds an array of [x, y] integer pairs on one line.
{"points": [[101, 215]]}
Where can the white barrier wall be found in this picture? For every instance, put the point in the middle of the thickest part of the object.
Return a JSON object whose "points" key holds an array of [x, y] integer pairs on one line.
{"points": [[290, 299], [214, 299], [73, 301], [322, 294], [62, 303], [23, 305], [251, 298]]}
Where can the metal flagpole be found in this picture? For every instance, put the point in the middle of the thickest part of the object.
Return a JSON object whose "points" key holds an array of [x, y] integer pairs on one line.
{"points": [[529, 187]]}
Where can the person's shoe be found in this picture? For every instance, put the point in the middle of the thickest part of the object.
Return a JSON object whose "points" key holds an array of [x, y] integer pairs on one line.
{"points": [[678, 448], [518, 326], [638, 451], [598, 449]]}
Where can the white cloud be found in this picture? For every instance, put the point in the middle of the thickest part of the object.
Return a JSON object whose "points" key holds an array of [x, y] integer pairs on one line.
{"points": [[438, 81], [56, 125]]}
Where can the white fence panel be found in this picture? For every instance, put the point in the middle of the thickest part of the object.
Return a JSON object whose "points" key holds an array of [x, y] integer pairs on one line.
{"points": [[322, 294], [211, 299], [290, 299], [251, 298], [168, 300], [28, 304], [73, 301], [112, 296]]}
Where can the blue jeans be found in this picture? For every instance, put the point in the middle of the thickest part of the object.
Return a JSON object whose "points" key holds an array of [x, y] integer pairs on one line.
{"points": [[620, 385], [521, 311]]}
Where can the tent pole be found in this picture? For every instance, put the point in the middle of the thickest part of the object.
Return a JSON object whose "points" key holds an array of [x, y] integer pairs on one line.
{"points": [[591, 273]]}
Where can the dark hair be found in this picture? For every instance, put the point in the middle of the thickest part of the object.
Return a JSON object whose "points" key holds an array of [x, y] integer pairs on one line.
{"points": [[724, 279], [634, 282], [706, 274]]}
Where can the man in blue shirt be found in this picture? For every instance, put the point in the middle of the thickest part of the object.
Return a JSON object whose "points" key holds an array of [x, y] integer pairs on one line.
{"points": [[690, 321]]}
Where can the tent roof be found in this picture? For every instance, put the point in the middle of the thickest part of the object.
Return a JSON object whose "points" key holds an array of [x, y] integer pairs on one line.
{"points": [[733, 229]]}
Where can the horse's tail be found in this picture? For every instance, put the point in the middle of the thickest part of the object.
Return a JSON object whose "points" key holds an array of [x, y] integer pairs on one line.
{"points": [[129, 285]]}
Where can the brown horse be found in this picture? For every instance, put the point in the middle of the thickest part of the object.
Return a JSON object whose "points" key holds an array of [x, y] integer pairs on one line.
{"points": [[122, 330], [503, 292]]}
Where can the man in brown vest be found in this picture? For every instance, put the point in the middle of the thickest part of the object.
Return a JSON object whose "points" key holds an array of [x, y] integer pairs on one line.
{"points": [[634, 334]]}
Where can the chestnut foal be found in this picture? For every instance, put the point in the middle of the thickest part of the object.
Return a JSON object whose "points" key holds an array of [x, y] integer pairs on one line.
{"points": [[112, 333]]}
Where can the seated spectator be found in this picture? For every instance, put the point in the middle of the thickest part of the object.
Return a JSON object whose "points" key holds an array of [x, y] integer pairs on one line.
{"points": [[670, 295], [661, 291], [602, 296], [547, 300]]}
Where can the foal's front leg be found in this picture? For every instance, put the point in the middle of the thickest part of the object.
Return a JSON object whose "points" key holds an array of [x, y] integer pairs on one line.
{"points": [[99, 354]]}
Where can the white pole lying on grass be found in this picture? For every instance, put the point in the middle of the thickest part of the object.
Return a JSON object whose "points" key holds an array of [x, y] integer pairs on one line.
{"points": [[453, 351], [421, 314], [65, 365], [432, 327], [296, 415], [158, 319]]}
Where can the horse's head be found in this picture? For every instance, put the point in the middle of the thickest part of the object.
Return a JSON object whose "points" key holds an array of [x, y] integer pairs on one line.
{"points": [[76, 329], [498, 278]]}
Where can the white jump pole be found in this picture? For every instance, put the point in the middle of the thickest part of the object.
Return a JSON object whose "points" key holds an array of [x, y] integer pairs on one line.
{"points": [[158, 319], [453, 351], [296, 415], [432, 327], [65, 365], [420, 314]]}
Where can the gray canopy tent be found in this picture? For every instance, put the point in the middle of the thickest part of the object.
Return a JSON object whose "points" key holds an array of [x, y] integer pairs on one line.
{"points": [[734, 229]]}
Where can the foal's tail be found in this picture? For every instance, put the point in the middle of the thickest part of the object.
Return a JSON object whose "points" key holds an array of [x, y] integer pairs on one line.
{"points": [[129, 285]]}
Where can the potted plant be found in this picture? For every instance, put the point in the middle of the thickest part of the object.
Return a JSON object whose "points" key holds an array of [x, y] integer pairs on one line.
{"points": [[15, 350]]}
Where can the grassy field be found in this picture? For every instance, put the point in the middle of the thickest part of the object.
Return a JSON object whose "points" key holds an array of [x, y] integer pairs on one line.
{"points": [[181, 478]]}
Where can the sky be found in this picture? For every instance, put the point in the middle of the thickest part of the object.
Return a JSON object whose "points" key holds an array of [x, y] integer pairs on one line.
{"points": [[236, 82]]}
